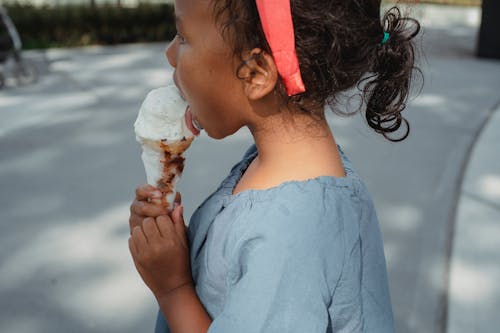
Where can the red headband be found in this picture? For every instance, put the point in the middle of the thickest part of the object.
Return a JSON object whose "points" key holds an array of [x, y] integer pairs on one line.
{"points": [[276, 19]]}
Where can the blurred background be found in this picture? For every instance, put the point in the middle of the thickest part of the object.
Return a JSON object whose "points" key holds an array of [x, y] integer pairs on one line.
{"points": [[73, 75]]}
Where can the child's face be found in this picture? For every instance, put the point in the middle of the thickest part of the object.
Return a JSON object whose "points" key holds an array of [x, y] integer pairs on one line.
{"points": [[205, 70]]}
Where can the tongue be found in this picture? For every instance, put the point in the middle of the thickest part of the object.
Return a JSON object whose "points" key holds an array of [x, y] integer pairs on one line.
{"points": [[189, 122]]}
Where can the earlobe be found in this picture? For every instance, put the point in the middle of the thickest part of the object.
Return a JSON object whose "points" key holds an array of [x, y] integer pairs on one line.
{"points": [[258, 73]]}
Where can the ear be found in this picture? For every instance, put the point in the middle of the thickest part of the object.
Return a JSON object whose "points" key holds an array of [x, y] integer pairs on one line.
{"points": [[258, 73]]}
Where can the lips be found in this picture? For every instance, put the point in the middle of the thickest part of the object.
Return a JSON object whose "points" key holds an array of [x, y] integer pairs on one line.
{"points": [[190, 122]]}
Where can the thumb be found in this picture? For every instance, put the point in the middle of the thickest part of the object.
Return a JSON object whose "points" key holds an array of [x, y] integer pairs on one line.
{"points": [[177, 215], [179, 226], [178, 198]]}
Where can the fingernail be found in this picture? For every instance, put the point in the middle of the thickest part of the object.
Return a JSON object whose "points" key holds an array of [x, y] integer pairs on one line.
{"points": [[176, 204], [156, 194]]}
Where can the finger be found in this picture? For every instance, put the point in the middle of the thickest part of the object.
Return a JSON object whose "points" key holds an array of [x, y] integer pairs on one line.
{"points": [[165, 225], [135, 221], [134, 252], [150, 229], [179, 226], [146, 191], [146, 209], [139, 239], [177, 215], [132, 247], [135, 206], [178, 198], [155, 200]]}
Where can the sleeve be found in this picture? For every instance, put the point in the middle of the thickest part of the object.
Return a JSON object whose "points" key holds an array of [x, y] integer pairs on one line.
{"points": [[161, 325], [282, 274]]}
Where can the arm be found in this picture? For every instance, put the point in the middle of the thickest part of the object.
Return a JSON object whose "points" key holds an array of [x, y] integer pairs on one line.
{"points": [[183, 311], [160, 254], [159, 248]]}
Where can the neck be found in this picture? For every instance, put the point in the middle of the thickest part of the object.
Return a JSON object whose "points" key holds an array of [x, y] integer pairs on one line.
{"points": [[297, 137], [296, 148]]}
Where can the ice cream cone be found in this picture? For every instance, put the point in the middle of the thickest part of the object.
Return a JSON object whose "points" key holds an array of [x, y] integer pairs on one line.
{"points": [[162, 131]]}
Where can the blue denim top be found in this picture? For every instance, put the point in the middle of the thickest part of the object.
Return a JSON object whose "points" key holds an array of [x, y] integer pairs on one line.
{"points": [[304, 256]]}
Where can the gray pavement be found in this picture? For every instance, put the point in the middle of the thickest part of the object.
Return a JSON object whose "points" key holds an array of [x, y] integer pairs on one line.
{"points": [[69, 163], [474, 293]]}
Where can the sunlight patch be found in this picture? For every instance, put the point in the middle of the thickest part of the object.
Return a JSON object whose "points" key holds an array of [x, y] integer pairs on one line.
{"points": [[90, 261], [490, 186]]}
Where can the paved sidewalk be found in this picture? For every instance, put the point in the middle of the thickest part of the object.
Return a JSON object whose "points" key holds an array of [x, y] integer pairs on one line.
{"points": [[474, 294], [473, 290]]}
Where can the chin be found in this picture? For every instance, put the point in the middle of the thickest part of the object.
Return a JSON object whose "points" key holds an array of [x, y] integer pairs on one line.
{"points": [[216, 136], [220, 134]]}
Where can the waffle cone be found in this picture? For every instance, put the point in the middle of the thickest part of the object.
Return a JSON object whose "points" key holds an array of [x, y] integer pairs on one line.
{"points": [[168, 159]]}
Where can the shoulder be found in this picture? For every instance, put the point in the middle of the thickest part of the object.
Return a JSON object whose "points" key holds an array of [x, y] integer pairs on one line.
{"points": [[300, 226], [315, 210], [315, 199], [310, 214]]}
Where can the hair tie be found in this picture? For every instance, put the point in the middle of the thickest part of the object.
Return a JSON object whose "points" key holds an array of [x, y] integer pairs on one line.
{"points": [[276, 19], [386, 38]]}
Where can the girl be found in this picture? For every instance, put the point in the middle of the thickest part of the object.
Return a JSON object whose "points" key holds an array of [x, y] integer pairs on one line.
{"points": [[289, 242]]}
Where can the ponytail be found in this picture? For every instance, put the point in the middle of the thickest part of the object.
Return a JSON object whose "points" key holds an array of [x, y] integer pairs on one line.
{"points": [[386, 91]]}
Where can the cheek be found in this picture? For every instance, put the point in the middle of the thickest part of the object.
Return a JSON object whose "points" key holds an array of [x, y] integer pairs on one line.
{"points": [[200, 83], [212, 90]]}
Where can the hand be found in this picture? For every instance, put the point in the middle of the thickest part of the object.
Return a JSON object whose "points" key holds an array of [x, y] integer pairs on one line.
{"points": [[161, 253], [147, 203]]}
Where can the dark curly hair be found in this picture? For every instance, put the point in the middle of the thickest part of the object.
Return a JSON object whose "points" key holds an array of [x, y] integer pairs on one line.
{"points": [[339, 47]]}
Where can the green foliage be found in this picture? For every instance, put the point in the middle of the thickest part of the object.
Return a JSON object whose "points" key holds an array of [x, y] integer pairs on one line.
{"points": [[77, 25]]}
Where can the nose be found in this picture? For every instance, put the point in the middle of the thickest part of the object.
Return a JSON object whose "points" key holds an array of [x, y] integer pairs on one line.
{"points": [[170, 53]]}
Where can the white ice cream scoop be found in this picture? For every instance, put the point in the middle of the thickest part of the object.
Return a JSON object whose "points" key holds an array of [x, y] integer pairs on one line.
{"points": [[162, 116], [162, 131]]}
